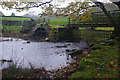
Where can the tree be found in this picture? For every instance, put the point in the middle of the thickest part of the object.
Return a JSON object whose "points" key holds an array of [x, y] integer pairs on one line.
{"points": [[116, 32], [73, 10]]}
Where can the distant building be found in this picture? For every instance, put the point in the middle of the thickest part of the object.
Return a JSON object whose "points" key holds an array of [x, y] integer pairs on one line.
{"points": [[12, 14]]}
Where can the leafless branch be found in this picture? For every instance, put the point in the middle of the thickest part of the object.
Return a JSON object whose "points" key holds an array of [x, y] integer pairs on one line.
{"points": [[35, 6]]}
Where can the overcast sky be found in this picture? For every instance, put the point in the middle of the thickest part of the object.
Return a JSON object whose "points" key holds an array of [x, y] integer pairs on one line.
{"points": [[38, 10]]}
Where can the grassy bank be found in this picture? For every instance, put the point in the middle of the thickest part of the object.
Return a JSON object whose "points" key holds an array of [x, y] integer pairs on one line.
{"points": [[102, 63]]}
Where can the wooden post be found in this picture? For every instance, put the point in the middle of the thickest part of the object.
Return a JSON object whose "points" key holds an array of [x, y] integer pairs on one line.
{"points": [[49, 15], [48, 21], [69, 21], [39, 21], [43, 20], [74, 21]]}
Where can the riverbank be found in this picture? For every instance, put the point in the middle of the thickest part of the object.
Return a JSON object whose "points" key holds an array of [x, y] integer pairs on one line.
{"points": [[101, 62]]}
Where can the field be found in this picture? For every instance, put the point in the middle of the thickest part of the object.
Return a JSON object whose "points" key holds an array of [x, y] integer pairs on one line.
{"points": [[17, 18], [61, 22], [54, 23]]}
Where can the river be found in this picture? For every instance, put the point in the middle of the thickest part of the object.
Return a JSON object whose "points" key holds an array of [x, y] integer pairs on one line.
{"points": [[49, 55]]}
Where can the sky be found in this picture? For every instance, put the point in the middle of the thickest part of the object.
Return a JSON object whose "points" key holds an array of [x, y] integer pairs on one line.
{"points": [[38, 10]]}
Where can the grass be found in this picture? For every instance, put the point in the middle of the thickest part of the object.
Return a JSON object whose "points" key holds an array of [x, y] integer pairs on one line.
{"points": [[12, 29], [60, 22], [55, 23], [14, 72], [102, 63], [17, 18], [99, 28], [104, 28]]}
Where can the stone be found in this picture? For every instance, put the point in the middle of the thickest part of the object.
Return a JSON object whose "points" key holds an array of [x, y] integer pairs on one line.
{"points": [[61, 46], [108, 42], [27, 25], [28, 42], [4, 60], [67, 50], [63, 34], [11, 23], [47, 39], [76, 52], [40, 32], [95, 47], [91, 44]]}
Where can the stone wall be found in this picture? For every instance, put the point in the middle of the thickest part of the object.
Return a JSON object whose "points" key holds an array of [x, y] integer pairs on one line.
{"points": [[66, 34], [11, 23], [27, 25]]}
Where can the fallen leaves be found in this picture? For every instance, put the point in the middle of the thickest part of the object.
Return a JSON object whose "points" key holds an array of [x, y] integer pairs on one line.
{"points": [[113, 57], [116, 66], [116, 53], [110, 65], [88, 55], [106, 76], [87, 66], [21, 76], [106, 54], [111, 62], [98, 74]]}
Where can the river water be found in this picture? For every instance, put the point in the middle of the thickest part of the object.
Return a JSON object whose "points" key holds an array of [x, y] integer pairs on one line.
{"points": [[49, 55]]}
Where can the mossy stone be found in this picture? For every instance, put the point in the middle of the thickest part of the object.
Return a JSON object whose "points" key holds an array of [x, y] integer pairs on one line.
{"points": [[76, 52]]}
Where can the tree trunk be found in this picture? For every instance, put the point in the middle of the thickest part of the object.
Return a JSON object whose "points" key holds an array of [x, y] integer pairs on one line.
{"points": [[116, 32]]}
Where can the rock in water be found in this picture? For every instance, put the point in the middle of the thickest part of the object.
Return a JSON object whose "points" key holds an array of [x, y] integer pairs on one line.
{"points": [[28, 42], [47, 39]]}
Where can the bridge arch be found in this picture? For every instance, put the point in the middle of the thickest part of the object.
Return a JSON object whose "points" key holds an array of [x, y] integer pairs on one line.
{"points": [[40, 32]]}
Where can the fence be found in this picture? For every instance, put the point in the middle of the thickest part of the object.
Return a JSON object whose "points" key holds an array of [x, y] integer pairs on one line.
{"points": [[99, 19]]}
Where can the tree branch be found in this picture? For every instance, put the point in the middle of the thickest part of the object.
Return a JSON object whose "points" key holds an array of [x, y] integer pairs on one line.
{"points": [[36, 6]]}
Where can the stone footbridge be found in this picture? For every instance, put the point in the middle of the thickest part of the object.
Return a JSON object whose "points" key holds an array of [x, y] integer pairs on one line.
{"points": [[40, 30]]}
